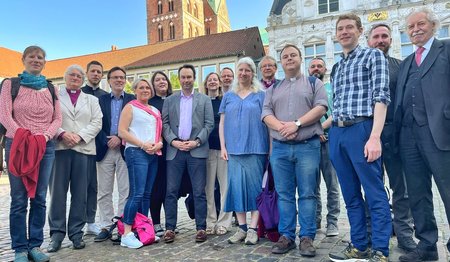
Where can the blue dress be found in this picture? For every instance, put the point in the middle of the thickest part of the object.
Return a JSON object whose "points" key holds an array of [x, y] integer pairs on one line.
{"points": [[247, 144]]}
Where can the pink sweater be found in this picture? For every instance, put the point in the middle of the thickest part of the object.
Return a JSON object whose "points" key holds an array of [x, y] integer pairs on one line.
{"points": [[33, 110]]}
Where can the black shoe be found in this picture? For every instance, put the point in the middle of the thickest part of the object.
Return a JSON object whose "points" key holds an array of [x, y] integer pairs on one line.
{"points": [[105, 234], [283, 245], [53, 246], [419, 255], [78, 244], [407, 244]]}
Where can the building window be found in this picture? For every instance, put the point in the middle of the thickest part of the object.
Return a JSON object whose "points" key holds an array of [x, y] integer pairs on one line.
{"points": [[328, 6], [159, 8], [206, 69], [160, 33], [443, 32], [207, 30], [407, 46], [130, 79], [189, 8], [144, 76], [190, 30], [171, 30], [170, 5], [312, 51], [337, 52], [195, 11], [196, 31]]}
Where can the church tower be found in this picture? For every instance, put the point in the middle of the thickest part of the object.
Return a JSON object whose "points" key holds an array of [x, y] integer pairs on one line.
{"points": [[169, 20]]}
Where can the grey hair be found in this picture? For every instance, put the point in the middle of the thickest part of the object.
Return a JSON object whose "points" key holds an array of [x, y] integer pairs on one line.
{"points": [[75, 67], [431, 16], [256, 85], [269, 58], [137, 81]]}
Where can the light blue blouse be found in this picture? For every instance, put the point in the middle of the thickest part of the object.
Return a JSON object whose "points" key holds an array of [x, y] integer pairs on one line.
{"points": [[244, 131]]}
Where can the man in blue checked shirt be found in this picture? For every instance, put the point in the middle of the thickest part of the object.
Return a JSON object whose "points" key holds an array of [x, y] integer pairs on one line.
{"points": [[360, 85]]}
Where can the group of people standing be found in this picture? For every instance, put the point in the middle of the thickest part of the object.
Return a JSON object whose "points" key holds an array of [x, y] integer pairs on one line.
{"points": [[376, 111]]}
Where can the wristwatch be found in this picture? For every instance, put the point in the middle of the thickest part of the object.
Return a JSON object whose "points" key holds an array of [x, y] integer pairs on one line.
{"points": [[298, 123], [198, 142]]}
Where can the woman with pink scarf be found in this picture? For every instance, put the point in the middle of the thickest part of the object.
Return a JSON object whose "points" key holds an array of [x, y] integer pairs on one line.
{"points": [[140, 128]]}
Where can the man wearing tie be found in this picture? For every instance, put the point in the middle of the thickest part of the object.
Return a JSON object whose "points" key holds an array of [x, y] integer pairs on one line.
{"points": [[422, 115]]}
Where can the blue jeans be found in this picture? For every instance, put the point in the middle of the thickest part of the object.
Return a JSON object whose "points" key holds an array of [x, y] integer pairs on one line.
{"points": [[296, 165], [21, 240], [142, 169], [353, 171]]}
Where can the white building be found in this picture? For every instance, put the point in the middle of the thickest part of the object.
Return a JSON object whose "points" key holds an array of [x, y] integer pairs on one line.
{"points": [[310, 24]]}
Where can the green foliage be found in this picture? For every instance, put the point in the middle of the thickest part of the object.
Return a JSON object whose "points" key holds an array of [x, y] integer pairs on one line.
{"points": [[128, 88], [175, 82]]}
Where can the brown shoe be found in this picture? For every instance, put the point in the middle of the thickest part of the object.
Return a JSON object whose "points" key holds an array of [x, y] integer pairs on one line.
{"points": [[169, 236], [306, 247], [201, 236]]}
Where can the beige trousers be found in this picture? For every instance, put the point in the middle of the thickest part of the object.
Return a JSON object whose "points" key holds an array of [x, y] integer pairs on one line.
{"points": [[216, 167], [113, 163]]}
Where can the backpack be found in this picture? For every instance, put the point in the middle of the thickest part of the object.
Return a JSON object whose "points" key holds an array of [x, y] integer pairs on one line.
{"points": [[142, 228], [15, 86]]}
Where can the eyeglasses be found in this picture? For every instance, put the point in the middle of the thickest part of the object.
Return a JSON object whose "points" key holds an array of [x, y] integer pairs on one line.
{"points": [[118, 77], [76, 75]]}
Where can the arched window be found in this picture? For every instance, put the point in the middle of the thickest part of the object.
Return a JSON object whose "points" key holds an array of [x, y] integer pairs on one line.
{"points": [[171, 30], [190, 30], [160, 33], [170, 5], [195, 11], [160, 7], [189, 8]]}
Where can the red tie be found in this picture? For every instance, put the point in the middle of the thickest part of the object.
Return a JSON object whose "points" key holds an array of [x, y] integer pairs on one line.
{"points": [[419, 53]]}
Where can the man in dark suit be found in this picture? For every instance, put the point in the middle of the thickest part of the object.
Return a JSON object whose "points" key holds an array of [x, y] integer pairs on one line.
{"points": [[110, 152], [94, 73], [380, 37], [188, 120], [422, 115]]}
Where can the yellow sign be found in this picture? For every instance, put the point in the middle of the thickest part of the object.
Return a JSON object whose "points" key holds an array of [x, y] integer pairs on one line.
{"points": [[377, 16]]}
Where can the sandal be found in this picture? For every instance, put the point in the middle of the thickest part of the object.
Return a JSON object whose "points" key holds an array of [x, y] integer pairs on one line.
{"points": [[221, 230]]}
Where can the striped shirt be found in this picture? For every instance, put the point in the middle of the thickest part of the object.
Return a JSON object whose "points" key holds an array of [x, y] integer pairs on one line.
{"points": [[359, 81]]}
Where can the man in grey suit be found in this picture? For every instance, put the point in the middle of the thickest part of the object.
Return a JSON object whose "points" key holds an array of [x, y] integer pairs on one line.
{"points": [[422, 115], [187, 122]]}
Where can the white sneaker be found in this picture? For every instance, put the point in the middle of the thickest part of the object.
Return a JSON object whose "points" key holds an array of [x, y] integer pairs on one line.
{"points": [[130, 241], [92, 229]]}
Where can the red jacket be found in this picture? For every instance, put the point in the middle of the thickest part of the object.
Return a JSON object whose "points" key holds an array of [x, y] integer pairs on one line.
{"points": [[25, 158]]}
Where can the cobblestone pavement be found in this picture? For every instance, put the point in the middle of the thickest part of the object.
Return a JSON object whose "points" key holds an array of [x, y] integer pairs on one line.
{"points": [[216, 248]]}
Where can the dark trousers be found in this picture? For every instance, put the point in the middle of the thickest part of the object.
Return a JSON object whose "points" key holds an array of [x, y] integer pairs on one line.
{"points": [[91, 206], [70, 169], [158, 191], [403, 221], [197, 172], [422, 160], [26, 237], [353, 171]]}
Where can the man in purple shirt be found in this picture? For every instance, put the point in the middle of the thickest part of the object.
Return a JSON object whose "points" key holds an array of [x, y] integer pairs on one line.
{"points": [[188, 120]]}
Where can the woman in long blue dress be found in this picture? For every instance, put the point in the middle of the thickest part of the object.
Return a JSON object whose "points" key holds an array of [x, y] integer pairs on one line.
{"points": [[245, 144]]}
